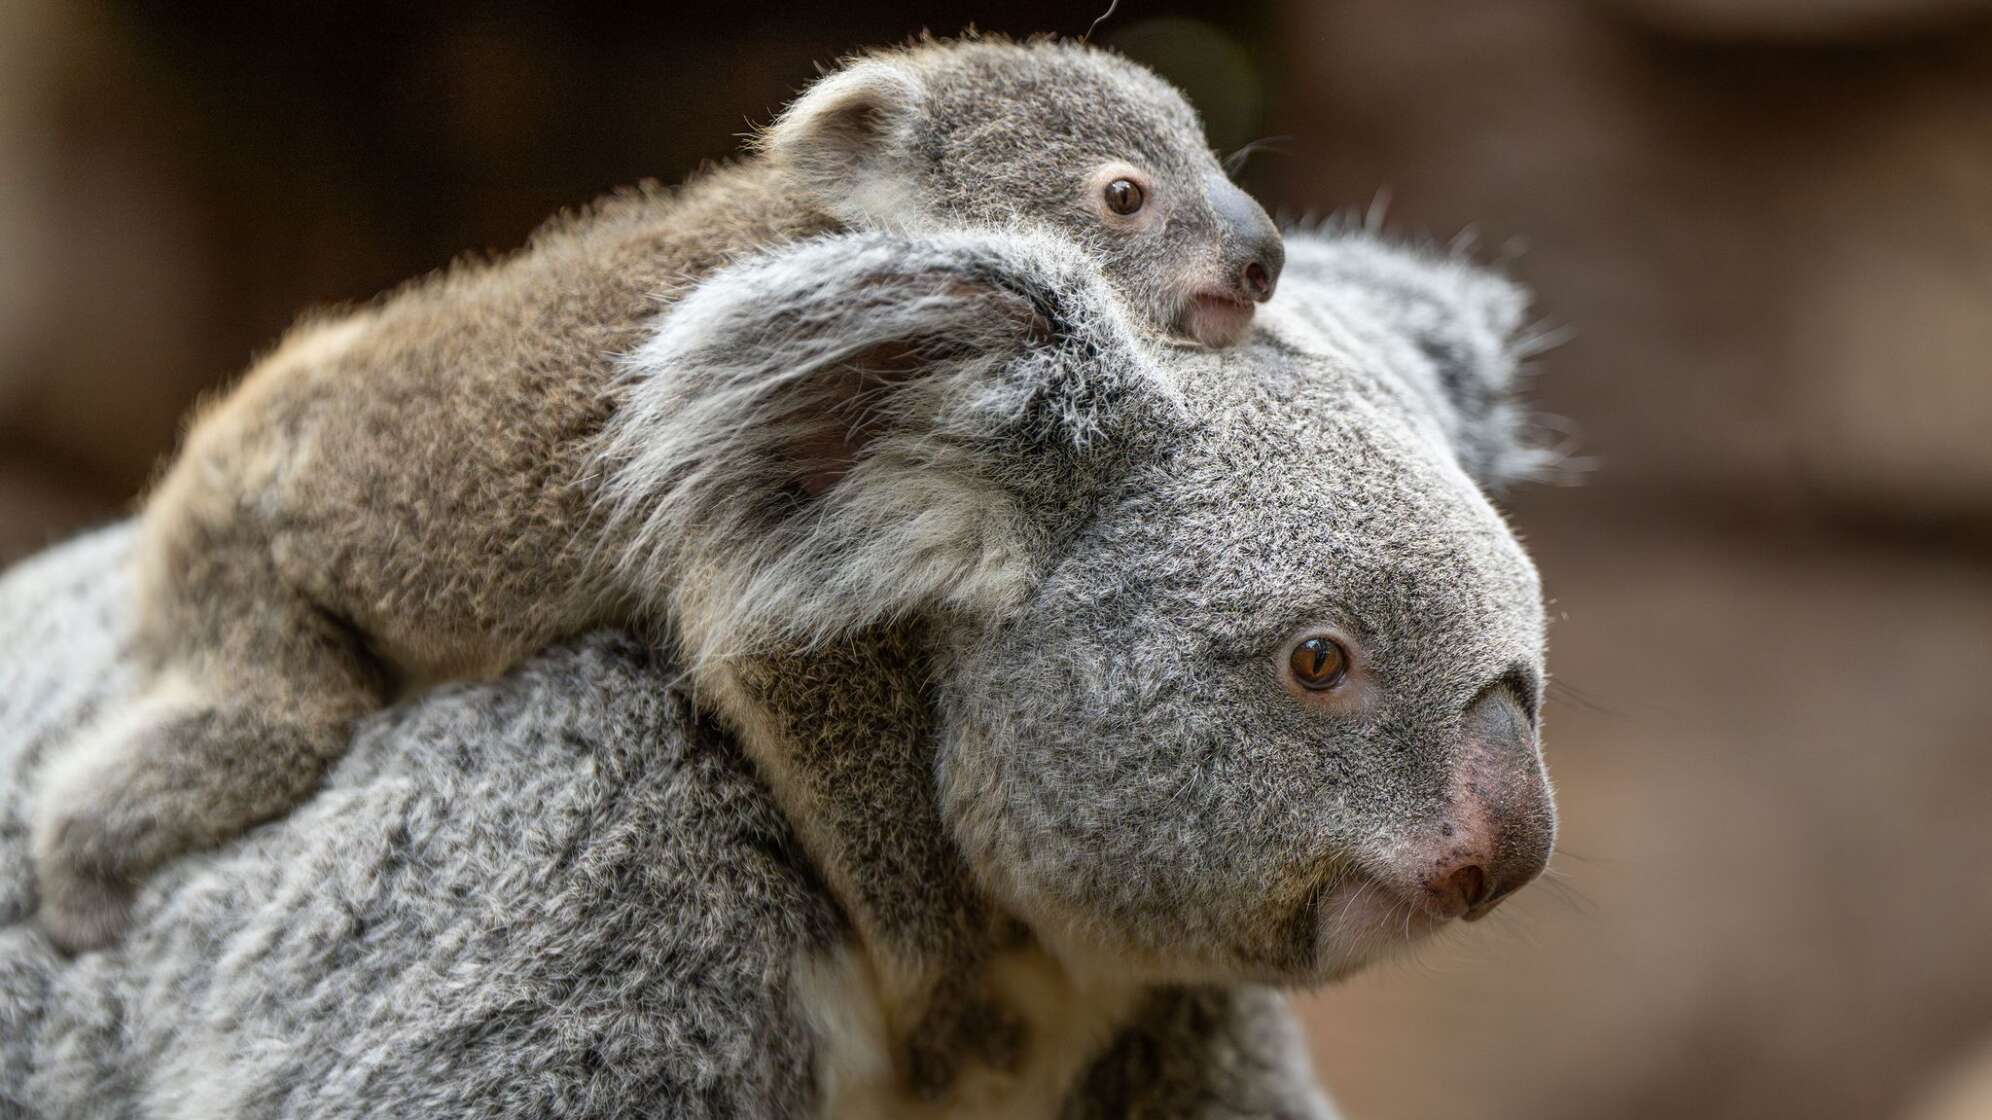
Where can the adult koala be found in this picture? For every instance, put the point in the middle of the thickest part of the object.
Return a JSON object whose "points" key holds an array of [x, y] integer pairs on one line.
{"points": [[1205, 671]]}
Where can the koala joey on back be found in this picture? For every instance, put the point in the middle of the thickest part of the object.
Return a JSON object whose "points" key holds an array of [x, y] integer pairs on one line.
{"points": [[407, 493]]}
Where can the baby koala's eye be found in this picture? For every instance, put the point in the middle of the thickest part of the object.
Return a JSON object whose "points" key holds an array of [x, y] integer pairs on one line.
{"points": [[1318, 663], [1124, 196]]}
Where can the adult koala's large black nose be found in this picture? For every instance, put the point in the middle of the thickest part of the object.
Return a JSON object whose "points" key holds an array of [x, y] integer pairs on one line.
{"points": [[1500, 821], [1254, 252]]}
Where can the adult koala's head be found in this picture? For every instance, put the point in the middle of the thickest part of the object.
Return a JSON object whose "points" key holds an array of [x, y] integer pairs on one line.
{"points": [[986, 131], [1236, 670]]}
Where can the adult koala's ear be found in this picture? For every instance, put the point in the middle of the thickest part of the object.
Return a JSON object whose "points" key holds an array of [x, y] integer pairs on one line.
{"points": [[1453, 332], [849, 136], [867, 426]]}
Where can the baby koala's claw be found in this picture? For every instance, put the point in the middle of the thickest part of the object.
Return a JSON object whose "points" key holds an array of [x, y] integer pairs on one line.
{"points": [[980, 1031], [80, 913], [85, 896]]}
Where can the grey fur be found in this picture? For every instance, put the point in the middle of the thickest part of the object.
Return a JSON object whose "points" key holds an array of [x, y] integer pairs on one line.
{"points": [[559, 894], [1213, 1053], [993, 133], [1086, 749], [1448, 330], [407, 493]]}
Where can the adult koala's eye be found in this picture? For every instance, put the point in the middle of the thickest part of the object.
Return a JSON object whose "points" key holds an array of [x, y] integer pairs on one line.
{"points": [[1318, 663], [1124, 196]]}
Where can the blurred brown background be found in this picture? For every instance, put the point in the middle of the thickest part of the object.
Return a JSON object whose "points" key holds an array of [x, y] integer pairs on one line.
{"points": [[1767, 225]]}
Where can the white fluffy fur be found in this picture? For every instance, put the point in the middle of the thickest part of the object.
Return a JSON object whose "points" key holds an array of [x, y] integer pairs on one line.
{"points": [[844, 133], [701, 467], [1393, 301], [1072, 1021]]}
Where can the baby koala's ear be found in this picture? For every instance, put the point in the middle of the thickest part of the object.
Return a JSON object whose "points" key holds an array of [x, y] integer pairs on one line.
{"points": [[848, 137], [863, 427]]}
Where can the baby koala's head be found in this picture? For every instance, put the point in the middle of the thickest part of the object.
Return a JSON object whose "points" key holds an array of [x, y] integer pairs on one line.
{"points": [[987, 132]]}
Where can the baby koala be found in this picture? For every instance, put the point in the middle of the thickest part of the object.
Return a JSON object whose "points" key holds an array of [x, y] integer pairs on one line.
{"points": [[409, 493]]}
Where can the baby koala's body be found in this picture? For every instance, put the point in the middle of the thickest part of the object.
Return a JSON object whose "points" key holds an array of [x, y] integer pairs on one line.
{"points": [[407, 493]]}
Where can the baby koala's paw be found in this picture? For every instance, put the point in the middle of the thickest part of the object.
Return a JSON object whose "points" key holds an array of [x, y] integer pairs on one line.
{"points": [[80, 913], [956, 1033], [85, 900], [82, 849], [109, 808]]}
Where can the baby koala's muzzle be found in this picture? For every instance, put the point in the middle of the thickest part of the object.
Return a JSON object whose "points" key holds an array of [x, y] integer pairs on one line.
{"points": [[1254, 252]]}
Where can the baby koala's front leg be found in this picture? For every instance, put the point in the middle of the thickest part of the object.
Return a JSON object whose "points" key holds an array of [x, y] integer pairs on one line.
{"points": [[198, 759]]}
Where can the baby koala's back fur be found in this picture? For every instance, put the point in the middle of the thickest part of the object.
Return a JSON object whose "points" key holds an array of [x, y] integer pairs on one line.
{"points": [[422, 464], [419, 468]]}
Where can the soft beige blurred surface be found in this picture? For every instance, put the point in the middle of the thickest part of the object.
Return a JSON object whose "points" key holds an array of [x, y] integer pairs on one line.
{"points": [[1964, 1093], [1774, 261], [1774, 875], [1765, 224], [1772, 246]]}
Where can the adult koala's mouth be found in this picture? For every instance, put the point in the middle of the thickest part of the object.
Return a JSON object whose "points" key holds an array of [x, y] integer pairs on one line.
{"points": [[1358, 919], [1215, 318]]}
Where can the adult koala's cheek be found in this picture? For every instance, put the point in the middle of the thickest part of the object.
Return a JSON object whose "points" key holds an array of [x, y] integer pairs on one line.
{"points": [[1126, 863], [1039, 830]]}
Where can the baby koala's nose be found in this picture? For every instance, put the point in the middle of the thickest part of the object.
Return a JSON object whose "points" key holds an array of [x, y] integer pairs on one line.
{"points": [[1253, 245], [1263, 253], [1259, 280]]}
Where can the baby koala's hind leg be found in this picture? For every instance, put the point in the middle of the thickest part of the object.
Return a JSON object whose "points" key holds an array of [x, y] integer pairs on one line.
{"points": [[206, 753]]}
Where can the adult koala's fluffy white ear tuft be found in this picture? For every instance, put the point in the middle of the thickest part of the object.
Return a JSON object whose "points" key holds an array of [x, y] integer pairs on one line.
{"points": [[862, 427], [1451, 332], [847, 137]]}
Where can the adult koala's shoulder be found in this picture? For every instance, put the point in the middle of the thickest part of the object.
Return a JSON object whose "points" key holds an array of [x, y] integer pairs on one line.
{"points": [[559, 894]]}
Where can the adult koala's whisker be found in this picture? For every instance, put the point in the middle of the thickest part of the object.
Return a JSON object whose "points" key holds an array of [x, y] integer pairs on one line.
{"points": [[1567, 892], [1564, 692]]}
